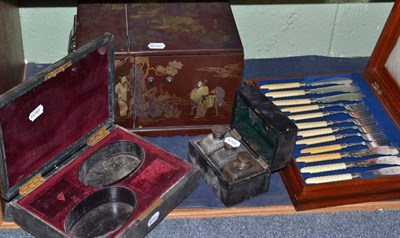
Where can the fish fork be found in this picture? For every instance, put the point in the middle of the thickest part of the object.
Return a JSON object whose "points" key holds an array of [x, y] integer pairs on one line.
{"points": [[372, 129], [337, 147], [313, 107], [322, 139], [353, 114], [316, 124]]}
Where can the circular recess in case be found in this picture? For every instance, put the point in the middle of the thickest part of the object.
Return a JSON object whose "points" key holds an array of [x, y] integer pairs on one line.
{"points": [[101, 213], [111, 163]]}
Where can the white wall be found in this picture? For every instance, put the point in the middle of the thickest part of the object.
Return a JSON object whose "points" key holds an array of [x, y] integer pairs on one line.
{"points": [[267, 31]]}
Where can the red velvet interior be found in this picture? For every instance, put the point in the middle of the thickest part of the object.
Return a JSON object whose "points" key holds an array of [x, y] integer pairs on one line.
{"points": [[74, 102], [160, 170]]}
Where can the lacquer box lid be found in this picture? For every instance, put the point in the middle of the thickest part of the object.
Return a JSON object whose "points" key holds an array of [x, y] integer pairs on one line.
{"points": [[46, 119], [383, 69], [170, 28], [264, 127]]}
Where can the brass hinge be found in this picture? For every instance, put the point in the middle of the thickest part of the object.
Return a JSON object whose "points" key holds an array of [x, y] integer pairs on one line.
{"points": [[98, 136], [377, 88], [58, 70], [31, 185]]}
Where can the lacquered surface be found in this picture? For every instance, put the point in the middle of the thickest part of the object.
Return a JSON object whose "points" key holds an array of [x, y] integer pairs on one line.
{"points": [[154, 84], [179, 26], [163, 104]]}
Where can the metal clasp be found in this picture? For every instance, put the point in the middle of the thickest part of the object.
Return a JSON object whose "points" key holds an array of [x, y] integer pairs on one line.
{"points": [[377, 88], [98, 136], [60, 69]]}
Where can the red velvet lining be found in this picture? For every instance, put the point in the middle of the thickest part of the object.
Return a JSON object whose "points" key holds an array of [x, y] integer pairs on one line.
{"points": [[74, 102], [160, 170]]}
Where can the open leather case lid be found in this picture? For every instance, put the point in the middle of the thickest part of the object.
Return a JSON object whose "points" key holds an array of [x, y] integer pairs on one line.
{"points": [[46, 119], [383, 69], [264, 127]]}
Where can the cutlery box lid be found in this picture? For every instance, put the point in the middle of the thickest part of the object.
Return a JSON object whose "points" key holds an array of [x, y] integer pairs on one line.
{"points": [[264, 127], [383, 71], [46, 119], [153, 28]]}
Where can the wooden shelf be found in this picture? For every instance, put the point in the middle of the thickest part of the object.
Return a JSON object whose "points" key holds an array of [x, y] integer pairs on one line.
{"points": [[181, 213]]}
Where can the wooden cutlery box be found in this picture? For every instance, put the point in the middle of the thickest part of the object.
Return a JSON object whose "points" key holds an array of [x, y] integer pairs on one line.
{"points": [[67, 170], [347, 148], [178, 64], [237, 161]]}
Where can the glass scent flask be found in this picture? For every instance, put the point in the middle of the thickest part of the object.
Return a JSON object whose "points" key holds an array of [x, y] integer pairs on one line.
{"points": [[214, 140], [227, 153], [244, 166]]}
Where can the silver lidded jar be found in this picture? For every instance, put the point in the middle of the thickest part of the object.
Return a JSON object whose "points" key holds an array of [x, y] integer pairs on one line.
{"points": [[214, 140], [227, 153], [244, 166]]}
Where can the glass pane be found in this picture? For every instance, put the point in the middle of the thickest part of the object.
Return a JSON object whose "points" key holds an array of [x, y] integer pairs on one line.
{"points": [[393, 63]]}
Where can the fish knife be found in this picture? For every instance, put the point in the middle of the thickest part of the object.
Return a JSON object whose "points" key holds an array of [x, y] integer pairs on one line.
{"points": [[343, 81], [321, 90], [387, 171], [380, 150], [327, 99], [388, 160], [313, 107]]}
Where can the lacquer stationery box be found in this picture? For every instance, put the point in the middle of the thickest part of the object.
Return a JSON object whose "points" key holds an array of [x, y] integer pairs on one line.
{"points": [[178, 64], [67, 170], [347, 149], [237, 161]]}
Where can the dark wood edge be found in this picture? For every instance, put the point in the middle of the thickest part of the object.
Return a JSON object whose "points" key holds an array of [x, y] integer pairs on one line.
{"points": [[376, 72], [306, 197]]}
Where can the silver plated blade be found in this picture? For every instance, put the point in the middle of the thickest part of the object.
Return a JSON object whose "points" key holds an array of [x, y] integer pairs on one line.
{"points": [[395, 170], [337, 88], [342, 81], [393, 160], [340, 97], [380, 150], [388, 160]]}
